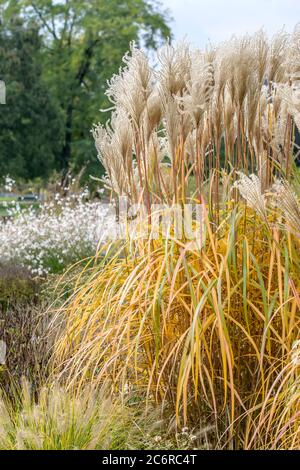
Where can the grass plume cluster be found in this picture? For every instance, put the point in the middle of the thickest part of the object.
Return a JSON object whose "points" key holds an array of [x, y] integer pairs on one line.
{"points": [[232, 107]]}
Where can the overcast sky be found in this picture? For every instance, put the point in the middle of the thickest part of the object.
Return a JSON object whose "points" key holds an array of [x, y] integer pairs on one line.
{"points": [[216, 20]]}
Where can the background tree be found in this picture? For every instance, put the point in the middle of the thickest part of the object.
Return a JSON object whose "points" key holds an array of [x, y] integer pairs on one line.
{"points": [[84, 41], [30, 126]]}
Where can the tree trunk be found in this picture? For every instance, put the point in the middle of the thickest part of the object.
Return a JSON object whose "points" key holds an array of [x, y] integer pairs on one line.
{"points": [[82, 71], [66, 151]]}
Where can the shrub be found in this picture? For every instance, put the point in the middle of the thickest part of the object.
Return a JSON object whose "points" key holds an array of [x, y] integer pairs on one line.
{"points": [[16, 285], [23, 325]]}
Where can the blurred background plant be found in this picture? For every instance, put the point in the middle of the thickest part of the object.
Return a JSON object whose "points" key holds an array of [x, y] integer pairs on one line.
{"points": [[52, 57], [23, 326], [52, 236]]}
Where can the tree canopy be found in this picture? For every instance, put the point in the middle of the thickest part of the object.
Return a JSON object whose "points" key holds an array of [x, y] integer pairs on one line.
{"points": [[31, 123], [81, 46]]}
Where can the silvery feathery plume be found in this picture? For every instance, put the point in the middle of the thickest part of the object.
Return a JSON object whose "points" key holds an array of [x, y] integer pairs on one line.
{"points": [[275, 100], [174, 72], [286, 200], [114, 145], [260, 126], [106, 155], [260, 50], [131, 88], [273, 120], [257, 76], [154, 154], [249, 188], [256, 88], [277, 56], [171, 124], [279, 129], [217, 119], [238, 60], [122, 138], [176, 124], [270, 126], [152, 114], [199, 87], [229, 120], [190, 146], [290, 94], [293, 56], [205, 138]]}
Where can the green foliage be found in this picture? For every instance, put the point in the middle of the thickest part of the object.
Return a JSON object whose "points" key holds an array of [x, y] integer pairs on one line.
{"points": [[83, 43], [30, 118]]}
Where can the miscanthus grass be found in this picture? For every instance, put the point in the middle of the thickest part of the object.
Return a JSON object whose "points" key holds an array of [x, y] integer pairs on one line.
{"points": [[210, 332]]}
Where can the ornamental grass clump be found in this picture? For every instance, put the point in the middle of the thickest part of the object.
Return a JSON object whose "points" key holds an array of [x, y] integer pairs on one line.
{"points": [[207, 328], [59, 420], [189, 327]]}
